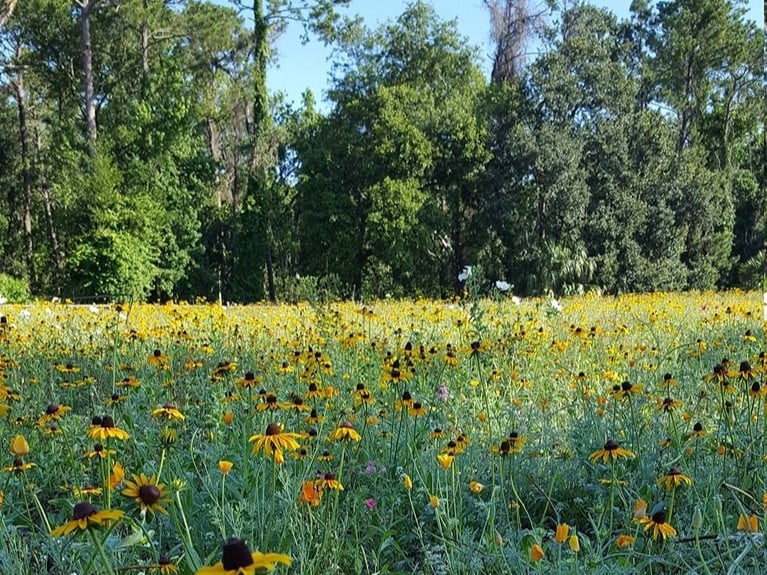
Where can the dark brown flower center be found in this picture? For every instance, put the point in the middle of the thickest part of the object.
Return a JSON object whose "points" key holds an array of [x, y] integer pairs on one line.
{"points": [[236, 554], [611, 445], [83, 510], [659, 517], [273, 429], [51, 409], [149, 494], [107, 421]]}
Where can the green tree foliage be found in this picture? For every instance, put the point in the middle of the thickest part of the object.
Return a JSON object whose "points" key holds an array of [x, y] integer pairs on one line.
{"points": [[389, 180], [628, 155]]}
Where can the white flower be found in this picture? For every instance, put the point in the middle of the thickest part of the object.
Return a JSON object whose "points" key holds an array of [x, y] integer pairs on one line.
{"points": [[465, 274], [3, 299], [502, 285], [93, 309], [516, 300], [25, 314], [556, 305]]}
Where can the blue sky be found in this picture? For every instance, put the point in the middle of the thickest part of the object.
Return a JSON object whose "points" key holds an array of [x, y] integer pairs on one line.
{"points": [[298, 67]]}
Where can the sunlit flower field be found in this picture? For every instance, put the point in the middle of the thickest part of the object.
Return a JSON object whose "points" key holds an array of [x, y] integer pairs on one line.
{"points": [[588, 435]]}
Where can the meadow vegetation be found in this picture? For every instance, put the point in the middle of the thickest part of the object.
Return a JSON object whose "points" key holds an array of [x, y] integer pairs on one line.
{"points": [[600, 435]]}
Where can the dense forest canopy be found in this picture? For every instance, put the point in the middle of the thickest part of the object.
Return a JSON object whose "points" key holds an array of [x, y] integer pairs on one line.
{"points": [[142, 156]]}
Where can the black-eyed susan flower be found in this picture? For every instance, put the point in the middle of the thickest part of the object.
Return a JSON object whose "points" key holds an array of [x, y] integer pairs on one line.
{"points": [[147, 493], [510, 444], [86, 515], [99, 451], [19, 466], [668, 405], [103, 428], [314, 391], [274, 442], [610, 452], [130, 382], [656, 525], [745, 372], [67, 368], [296, 403], [158, 360], [758, 390], [168, 411], [344, 432], [237, 559], [417, 409], [164, 566], [314, 418], [718, 375], [697, 431], [87, 490], [271, 403], [53, 412], [625, 390], [328, 480], [116, 399], [673, 479]]}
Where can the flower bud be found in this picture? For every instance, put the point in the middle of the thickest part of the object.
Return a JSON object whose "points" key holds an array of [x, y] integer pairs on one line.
{"points": [[697, 519]]}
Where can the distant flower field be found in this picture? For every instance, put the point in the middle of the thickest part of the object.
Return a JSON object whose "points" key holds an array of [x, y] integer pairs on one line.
{"points": [[597, 435]]}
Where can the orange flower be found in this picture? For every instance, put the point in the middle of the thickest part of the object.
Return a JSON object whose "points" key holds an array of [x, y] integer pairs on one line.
{"points": [[536, 552], [225, 466], [311, 494], [748, 523], [624, 541], [563, 529]]}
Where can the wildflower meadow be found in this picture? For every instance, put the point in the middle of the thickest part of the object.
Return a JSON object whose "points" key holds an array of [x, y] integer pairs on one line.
{"points": [[591, 434]]}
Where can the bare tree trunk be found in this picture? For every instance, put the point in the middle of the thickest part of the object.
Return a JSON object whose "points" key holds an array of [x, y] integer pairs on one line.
{"points": [[5, 16], [58, 258], [145, 41], [87, 70], [20, 220], [511, 22]]}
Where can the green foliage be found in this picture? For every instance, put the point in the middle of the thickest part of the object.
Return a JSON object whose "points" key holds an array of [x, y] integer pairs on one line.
{"points": [[114, 248], [14, 290], [627, 156]]}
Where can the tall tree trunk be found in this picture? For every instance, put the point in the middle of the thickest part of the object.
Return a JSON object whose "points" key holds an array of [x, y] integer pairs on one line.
{"points": [[20, 220], [145, 41], [260, 125], [87, 70], [58, 258]]}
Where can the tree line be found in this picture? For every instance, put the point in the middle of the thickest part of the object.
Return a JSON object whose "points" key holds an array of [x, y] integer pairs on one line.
{"points": [[142, 156]]}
